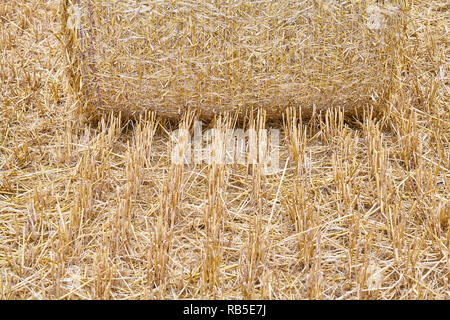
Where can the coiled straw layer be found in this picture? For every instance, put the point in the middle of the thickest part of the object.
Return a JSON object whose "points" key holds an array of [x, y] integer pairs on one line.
{"points": [[231, 55]]}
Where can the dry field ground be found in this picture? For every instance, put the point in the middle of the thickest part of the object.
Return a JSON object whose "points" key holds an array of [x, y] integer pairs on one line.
{"points": [[96, 210]]}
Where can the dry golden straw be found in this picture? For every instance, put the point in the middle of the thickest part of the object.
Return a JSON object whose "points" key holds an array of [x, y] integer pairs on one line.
{"points": [[217, 56], [360, 207]]}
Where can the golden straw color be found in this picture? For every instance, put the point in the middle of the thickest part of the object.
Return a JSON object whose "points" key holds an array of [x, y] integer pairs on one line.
{"points": [[357, 208], [226, 55]]}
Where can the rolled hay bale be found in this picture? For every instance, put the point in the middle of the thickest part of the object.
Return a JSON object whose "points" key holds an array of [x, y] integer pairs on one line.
{"points": [[231, 55]]}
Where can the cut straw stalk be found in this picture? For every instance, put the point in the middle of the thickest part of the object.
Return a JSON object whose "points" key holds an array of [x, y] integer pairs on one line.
{"points": [[217, 56]]}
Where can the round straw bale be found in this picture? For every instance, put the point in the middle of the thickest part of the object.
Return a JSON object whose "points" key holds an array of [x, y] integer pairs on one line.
{"points": [[230, 55]]}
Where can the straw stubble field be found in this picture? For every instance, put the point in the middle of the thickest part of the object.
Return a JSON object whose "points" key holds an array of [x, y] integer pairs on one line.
{"points": [[91, 207]]}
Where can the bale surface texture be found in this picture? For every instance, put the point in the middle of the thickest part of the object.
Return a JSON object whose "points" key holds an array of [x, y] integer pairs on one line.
{"points": [[222, 56]]}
